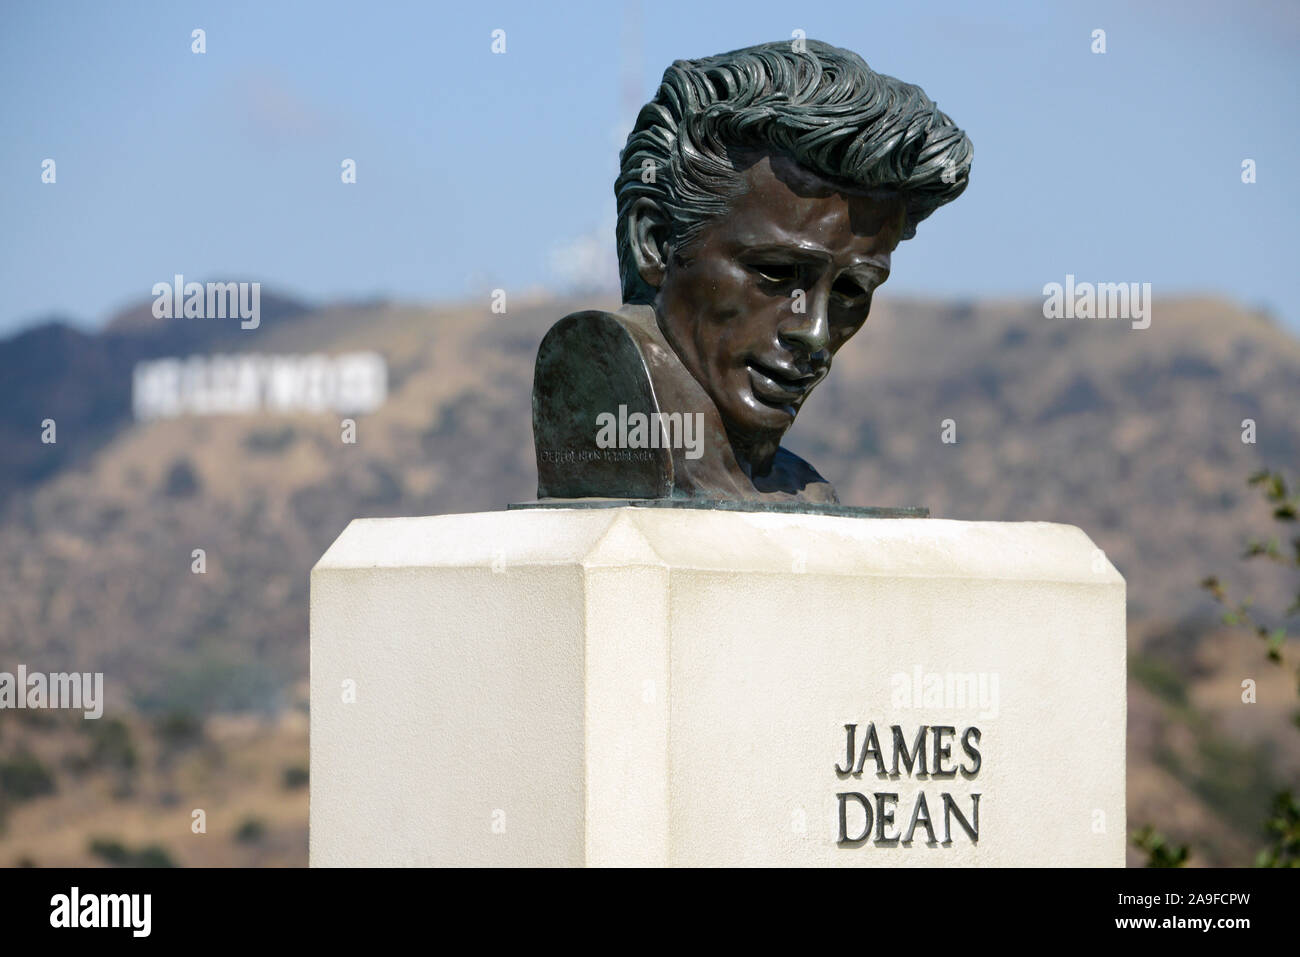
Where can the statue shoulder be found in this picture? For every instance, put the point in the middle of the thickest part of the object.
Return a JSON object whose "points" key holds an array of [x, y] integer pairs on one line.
{"points": [[590, 365], [591, 331], [582, 323]]}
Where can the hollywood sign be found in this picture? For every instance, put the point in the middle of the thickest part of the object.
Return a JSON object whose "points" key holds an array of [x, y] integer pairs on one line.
{"points": [[350, 383]]}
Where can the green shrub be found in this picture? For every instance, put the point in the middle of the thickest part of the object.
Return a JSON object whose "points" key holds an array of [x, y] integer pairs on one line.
{"points": [[117, 854], [251, 831], [179, 728], [110, 744], [295, 777], [24, 777]]}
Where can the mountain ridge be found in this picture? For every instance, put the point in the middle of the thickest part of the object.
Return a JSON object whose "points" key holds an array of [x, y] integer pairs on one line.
{"points": [[1133, 436]]}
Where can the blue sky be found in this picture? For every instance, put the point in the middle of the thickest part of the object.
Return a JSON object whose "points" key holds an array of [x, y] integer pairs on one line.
{"points": [[478, 170]]}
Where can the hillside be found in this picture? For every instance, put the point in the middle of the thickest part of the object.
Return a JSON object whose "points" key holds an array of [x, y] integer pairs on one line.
{"points": [[1133, 435]]}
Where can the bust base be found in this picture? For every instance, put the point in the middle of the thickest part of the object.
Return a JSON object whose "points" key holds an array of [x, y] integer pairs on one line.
{"points": [[664, 686]]}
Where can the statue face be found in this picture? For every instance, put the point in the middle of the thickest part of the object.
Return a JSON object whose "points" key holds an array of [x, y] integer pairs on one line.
{"points": [[730, 305]]}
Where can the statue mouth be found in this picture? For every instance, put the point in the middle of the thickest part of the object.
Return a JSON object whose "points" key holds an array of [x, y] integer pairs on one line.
{"points": [[779, 386]]}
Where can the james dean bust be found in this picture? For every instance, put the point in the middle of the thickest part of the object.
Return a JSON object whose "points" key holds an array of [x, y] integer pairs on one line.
{"points": [[762, 193]]}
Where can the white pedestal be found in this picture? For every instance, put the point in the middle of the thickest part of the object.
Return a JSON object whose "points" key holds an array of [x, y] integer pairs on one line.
{"points": [[650, 686]]}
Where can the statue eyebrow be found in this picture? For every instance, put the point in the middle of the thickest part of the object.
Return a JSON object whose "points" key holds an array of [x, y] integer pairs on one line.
{"points": [[804, 252], [812, 253], [867, 264]]}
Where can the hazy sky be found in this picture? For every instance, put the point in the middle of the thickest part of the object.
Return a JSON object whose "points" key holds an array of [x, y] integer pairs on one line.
{"points": [[478, 170]]}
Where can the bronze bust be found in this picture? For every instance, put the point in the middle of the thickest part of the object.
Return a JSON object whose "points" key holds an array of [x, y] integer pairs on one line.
{"points": [[761, 195]]}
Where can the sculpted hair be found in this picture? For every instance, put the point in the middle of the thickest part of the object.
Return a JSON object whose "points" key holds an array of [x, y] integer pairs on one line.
{"points": [[824, 106]]}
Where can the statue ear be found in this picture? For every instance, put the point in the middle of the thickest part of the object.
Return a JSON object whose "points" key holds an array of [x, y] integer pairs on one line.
{"points": [[648, 235]]}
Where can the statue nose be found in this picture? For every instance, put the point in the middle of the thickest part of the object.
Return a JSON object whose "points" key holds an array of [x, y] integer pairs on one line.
{"points": [[808, 333]]}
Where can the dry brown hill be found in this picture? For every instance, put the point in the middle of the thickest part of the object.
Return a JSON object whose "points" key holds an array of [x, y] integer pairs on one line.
{"points": [[1133, 435]]}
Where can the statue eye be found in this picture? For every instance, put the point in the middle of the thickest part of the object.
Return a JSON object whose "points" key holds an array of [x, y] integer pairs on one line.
{"points": [[777, 272], [846, 287]]}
